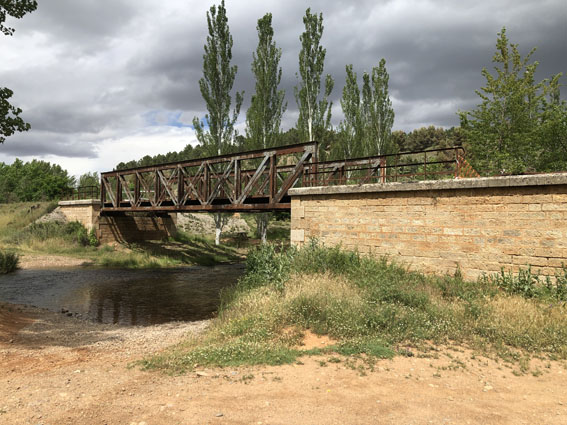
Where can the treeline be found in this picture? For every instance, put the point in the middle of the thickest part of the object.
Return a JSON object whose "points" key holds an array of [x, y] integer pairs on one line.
{"points": [[33, 181]]}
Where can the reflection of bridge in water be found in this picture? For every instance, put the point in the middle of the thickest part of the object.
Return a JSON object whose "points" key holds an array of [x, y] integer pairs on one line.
{"points": [[260, 180]]}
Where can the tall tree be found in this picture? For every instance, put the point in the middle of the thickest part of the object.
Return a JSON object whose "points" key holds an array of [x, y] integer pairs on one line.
{"points": [[264, 116], [10, 120], [378, 114], [504, 131], [217, 134], [351, 128], [216, 86], [314, 114]]}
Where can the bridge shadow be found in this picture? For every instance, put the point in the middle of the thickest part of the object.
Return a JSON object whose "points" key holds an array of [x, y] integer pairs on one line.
{"points": [[192, 251]]}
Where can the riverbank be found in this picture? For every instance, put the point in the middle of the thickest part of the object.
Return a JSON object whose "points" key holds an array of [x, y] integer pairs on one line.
{"points": [[60, 370]]}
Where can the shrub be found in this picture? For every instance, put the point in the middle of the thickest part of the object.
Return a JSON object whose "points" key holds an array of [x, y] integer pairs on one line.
{"points": [[8, 262]]}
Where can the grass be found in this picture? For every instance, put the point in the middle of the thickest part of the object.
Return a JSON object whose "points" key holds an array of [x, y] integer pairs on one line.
{"points": [[370, 308], [20, 234], [8, 262]]}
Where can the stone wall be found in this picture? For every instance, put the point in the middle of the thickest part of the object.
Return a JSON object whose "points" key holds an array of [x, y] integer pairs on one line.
{"points": [[135, 227], [479, 225], [85, 211]]}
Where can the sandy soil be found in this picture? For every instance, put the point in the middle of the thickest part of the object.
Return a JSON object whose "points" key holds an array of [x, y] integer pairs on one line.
{"points": [[38, 261], [59, 370]]}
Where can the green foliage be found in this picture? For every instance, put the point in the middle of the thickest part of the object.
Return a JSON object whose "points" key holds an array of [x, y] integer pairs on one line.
{"points": [[377, 111], [8, 262], [216, 85], [368, 306], [89, 179], [264, 116], [314, 114], [506, 131], [369, 116], [33, 181], [16, 9], [351, 130], [531, 285], [10, 120], [73, 233]]}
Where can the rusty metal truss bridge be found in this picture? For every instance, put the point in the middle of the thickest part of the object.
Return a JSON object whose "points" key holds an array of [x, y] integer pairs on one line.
{"points": [[260, 180]]}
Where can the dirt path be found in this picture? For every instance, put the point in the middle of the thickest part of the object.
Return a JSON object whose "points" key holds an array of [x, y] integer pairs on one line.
{"points": [[58, 370], [38, 261]]}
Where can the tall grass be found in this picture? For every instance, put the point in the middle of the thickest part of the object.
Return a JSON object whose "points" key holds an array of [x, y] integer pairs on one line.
{"points": [[368, 306], [8, 262]]}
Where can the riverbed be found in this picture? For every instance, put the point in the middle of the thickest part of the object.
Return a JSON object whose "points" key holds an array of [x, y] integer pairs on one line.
{"points": [[123, 296]]}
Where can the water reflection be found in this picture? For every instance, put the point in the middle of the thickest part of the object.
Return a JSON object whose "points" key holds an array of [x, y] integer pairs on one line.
{"points": [[132, 297]]}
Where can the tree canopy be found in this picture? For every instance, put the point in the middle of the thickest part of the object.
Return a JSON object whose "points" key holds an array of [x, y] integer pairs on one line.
{"points": [[518, 119]]}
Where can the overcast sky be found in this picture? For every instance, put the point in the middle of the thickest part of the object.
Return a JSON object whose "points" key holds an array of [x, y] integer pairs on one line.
{"points": [[104, 81]]}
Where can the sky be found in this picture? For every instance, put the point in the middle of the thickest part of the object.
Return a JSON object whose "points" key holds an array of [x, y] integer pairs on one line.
{"points": [[105, 81]]}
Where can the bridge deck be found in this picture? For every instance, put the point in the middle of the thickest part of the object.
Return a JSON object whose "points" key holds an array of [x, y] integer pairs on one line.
{"points": [[259, 180]]}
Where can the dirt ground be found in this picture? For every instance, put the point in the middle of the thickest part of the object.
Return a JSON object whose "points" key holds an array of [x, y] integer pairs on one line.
{"points": [[40, 261], [58, 370]]}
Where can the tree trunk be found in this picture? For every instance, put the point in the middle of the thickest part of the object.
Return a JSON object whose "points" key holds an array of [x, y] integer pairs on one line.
{"points": [[262, 221], [217, 236]]}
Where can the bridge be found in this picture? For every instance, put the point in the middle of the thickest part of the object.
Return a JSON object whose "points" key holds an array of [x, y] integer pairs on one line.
{"points": [[259, 180]]}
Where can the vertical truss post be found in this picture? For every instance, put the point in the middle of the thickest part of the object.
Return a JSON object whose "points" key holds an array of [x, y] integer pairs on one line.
{"points": [[136, 190], [180, 185], [157, 188], [272, 176], [314, 165], [382, 169], [206, 182], [237, 181], [118, 191], [102, 192]]}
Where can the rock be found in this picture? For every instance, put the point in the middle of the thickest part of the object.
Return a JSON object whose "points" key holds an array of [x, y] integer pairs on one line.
{"points": [[54, 216], [218, 415], [204, 224], [487, 388], [201, 373]]}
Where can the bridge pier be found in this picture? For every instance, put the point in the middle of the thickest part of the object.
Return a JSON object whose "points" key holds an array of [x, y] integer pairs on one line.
{"points": [[119, 226]]}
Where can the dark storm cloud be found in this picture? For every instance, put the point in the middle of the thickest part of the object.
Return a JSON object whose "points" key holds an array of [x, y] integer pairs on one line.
{"points": [[97, 68], [42, 143]]}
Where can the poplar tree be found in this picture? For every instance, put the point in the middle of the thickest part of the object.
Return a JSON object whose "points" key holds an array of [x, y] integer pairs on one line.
{"points": [[314, 114], [216, 86], [10, 120], [264, 115], [377, 111], [351, 128]]}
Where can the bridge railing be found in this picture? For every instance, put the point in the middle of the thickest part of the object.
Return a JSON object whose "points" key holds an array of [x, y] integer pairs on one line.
{"points": [[82, 192], [433, 164], [254, 180]]}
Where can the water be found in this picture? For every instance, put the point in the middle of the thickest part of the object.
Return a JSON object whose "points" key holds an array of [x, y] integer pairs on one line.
{"points": [[127, 297]]}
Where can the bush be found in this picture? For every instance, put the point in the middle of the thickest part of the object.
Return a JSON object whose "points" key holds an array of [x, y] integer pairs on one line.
{"points": [[8, 262], [73, 232]]}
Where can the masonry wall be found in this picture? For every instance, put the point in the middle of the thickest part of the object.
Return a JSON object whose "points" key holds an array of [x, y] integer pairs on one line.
{"points": [[135, 227], [85, 211], [479, 225]]}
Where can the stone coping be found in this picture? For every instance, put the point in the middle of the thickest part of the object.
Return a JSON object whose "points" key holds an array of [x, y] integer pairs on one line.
{"points": [[80, 202], [468, 183]]}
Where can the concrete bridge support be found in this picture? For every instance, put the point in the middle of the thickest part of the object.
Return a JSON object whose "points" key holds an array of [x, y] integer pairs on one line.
{"points": [[479, 225]]}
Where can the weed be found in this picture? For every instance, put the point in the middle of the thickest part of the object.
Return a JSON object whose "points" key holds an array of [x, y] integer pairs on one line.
{"points": [[8, 262], [368, 306]]}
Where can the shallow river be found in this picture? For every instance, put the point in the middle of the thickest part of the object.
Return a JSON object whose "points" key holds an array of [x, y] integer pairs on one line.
{"points": [[128, 297]]}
